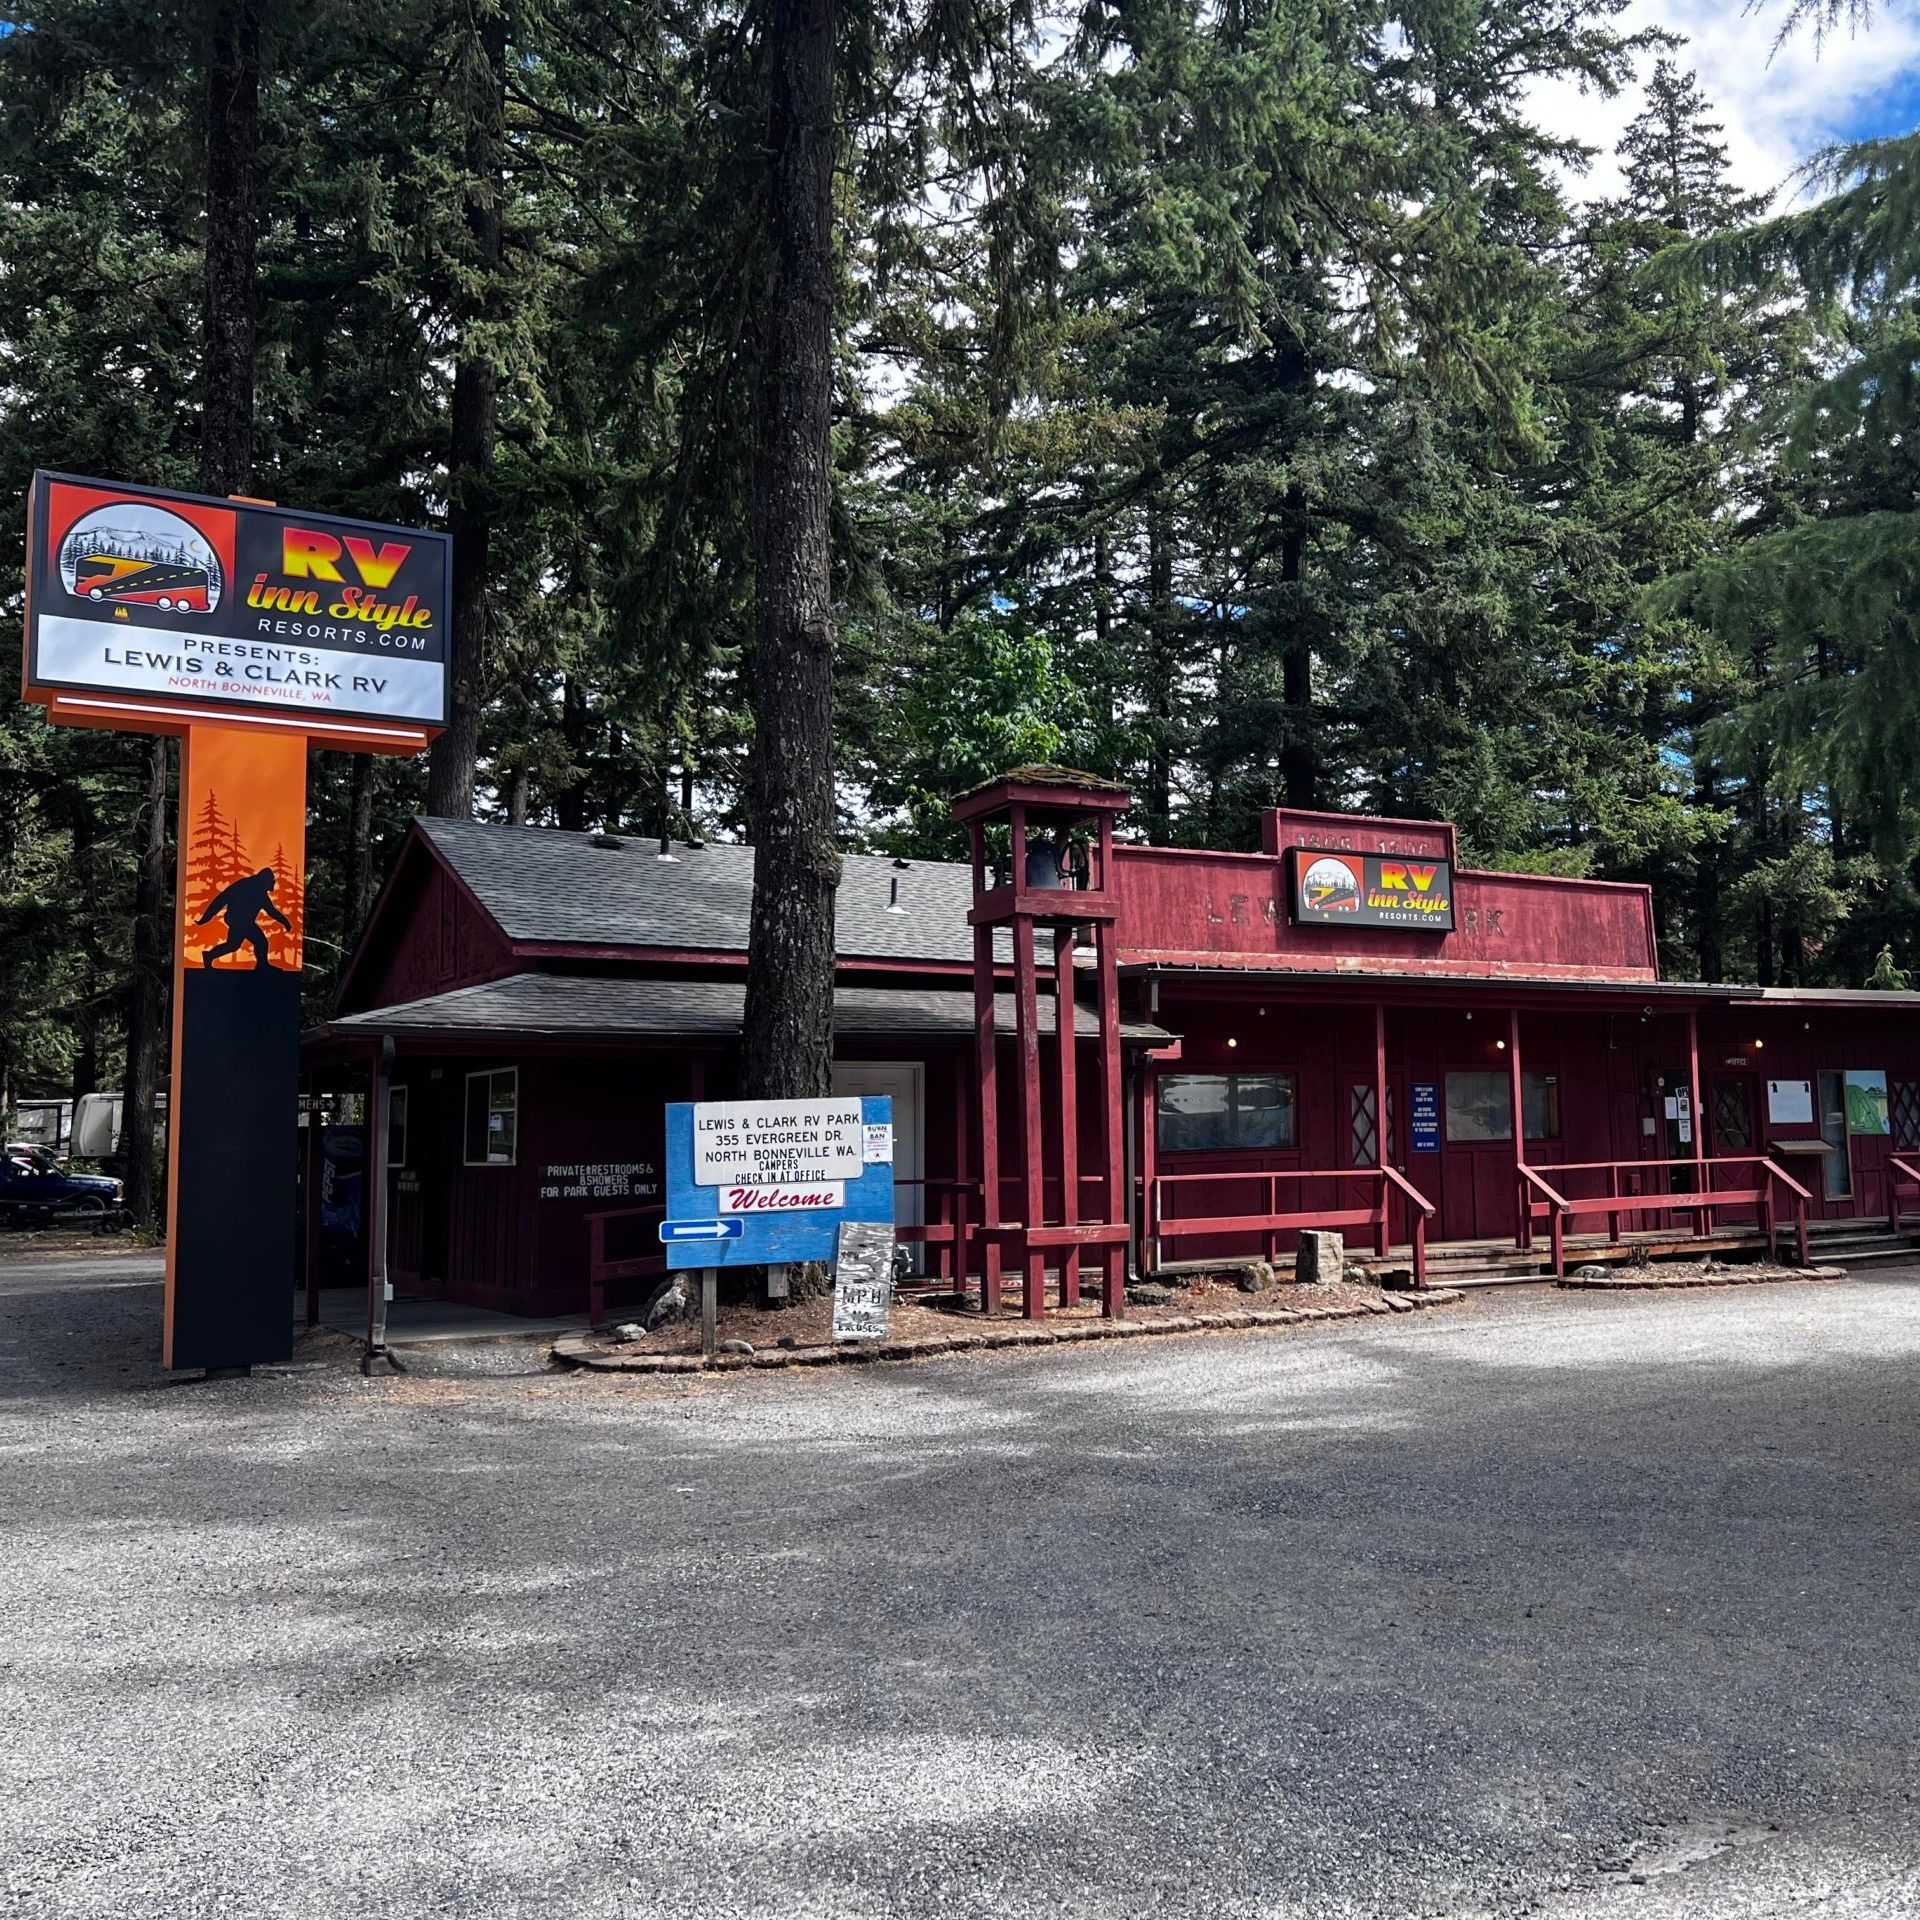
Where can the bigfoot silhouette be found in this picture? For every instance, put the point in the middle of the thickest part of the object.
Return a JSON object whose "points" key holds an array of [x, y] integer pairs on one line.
{"points": [[243, 903]]}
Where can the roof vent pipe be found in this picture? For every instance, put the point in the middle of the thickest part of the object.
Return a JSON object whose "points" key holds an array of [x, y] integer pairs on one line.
{"points": [[893, 896]]}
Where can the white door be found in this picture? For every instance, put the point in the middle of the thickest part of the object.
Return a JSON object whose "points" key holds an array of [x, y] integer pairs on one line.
{"points": [[901, 1082]]}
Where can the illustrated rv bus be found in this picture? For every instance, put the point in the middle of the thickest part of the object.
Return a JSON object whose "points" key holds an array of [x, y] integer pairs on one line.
{"points": [[169, 585]]}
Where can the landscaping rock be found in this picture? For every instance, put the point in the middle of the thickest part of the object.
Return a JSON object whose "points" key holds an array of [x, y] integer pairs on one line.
{"points": [[667, 1303], [1257, 1278], [1358, 1276], [736, 1346], [1322, 1259], [628, 1331], [1590, 1272], [1149, 1293]]}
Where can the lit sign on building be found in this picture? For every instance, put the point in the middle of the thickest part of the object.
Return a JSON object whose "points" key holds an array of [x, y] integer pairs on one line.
{"points": [[1370, 890]]}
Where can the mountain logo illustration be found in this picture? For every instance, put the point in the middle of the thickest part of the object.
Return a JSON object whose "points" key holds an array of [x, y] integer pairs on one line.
{"points": [[131, 553]]}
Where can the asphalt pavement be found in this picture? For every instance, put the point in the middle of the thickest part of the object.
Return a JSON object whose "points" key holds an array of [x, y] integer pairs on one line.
{"points": [[1594, 1607]]}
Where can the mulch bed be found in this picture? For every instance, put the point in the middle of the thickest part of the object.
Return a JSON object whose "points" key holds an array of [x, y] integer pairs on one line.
{"points": [[1630, 1278], [802, 1335]]}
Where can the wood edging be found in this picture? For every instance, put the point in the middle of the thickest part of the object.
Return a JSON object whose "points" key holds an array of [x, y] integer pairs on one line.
{"points": [[580, 1350]]}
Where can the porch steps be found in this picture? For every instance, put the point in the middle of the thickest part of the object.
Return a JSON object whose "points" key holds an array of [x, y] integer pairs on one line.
{"points": [[1859, 1245], [1501, 1264]]}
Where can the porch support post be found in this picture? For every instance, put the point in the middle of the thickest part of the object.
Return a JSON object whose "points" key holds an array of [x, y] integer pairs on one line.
{"points": [[1381, 1236], [986, 1093], [1149, 1166], [381, 1081], [1107, 970], [962, 1127], [1702, 1221], [1032, 1141], [1523, 1197], [1066, 1065], [315, 1143]]}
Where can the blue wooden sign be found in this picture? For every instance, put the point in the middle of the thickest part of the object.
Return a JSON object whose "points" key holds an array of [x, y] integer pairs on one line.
{"points": [[1423, 1121], [823, 1178]]}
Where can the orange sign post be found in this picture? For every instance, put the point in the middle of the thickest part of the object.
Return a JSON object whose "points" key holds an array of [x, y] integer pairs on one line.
{"points": [[253, 634]]}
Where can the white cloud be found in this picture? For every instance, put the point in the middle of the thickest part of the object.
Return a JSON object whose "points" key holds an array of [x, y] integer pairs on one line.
{"points": [[1777, 107]]}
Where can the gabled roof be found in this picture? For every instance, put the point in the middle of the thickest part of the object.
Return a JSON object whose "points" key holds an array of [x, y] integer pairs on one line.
{"points": [[600, 1006], [546, 886]]}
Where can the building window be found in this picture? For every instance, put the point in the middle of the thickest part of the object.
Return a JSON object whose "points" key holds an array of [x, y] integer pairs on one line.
{"points": [[493, 1101], [1540, 1105], [1906, 1113], [1225, 1112], [1362, 1142], [1732, 1117], [1480, 1107], [396, 1127]]}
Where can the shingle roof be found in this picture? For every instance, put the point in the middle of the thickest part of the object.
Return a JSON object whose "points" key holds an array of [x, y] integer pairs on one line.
{"points": [[567, 1004], [546, 885]]}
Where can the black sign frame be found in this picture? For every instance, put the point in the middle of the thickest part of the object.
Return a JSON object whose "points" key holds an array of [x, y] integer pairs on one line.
{"points": [[343, 651], [1363, 894]]}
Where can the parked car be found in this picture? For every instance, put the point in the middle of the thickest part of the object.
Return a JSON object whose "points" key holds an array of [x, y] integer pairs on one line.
{"points": [[31, 1195]]}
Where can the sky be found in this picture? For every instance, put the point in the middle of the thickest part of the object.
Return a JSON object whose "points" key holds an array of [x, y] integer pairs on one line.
{"points": [[1778, 108]]}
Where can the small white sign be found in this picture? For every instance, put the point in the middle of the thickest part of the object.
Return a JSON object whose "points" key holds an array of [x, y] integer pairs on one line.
{"points": [[828, 1197], [877, 1148], [776, 1143], [1790, 1102], [863, 1280]]}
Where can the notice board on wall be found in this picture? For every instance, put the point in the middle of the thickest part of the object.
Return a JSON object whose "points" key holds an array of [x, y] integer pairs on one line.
{"points": [[1790, 1103]]}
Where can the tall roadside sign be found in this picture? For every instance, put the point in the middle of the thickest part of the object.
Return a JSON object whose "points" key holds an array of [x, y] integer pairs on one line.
{"points": [[253, 633]]}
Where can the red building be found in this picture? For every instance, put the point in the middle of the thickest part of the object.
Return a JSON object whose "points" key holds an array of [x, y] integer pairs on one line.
{"points": [[1244, 1021]]}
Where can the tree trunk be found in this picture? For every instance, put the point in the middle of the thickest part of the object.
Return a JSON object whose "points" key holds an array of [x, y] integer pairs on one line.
{"points": [[226, 466], [85, 1078], [1161, 668], [1103, 632], [1706, 888], [570, 802], [788, 1028], [359, 901], [1299, 773], [455, 757], [233, 164]]}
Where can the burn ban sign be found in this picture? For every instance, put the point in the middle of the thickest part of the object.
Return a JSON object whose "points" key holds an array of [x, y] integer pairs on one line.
{"points": [[154, 596], [1370, 890]]}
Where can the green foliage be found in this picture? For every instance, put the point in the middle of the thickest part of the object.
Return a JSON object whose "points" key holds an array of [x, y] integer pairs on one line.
{"points": [[1232, 400]]}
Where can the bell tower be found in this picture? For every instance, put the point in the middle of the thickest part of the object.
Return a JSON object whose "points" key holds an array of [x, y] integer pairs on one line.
{"points": [[1059, 877]]}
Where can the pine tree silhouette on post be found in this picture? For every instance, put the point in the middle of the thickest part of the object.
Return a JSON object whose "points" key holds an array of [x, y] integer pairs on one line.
{"points": [[287, 889]]}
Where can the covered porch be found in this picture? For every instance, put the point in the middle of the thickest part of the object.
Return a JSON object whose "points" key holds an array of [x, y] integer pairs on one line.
{"points": [[1526, 1123]]}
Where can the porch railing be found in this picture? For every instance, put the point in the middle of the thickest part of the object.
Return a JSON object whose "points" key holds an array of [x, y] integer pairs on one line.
{"points": [[1540, 1199], [1901, 1174], [602, 1268], [1384, 1182], [955, 1209]]}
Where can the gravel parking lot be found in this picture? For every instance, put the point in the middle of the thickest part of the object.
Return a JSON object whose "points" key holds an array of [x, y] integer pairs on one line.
{"points": [[1560, 1605]]}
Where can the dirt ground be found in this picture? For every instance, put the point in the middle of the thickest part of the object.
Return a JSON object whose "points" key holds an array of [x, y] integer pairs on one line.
{"points": [[809, 1323], [72, 1243]]}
